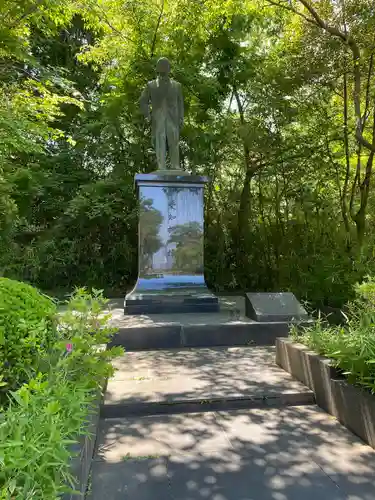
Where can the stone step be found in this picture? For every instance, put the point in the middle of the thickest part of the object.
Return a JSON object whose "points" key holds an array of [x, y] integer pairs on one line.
{"points": [[198, 380], [290, 453], [229, 327]]}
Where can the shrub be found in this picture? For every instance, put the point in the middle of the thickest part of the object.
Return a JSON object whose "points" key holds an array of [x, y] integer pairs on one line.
{"points": [[46, 415], [27, 331], [352, 347], [363, 309]]}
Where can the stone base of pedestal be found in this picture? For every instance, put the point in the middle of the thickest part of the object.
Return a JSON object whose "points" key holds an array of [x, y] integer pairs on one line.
{"points": [[227, 327], [137, 303]]}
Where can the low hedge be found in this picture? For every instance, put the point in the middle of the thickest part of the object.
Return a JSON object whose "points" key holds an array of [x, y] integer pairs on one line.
{"points": [[351, 346], [47, 414], [27, 332]]}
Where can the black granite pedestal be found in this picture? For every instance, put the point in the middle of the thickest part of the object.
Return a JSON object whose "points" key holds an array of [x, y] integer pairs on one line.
{"points": [[170, 258]]}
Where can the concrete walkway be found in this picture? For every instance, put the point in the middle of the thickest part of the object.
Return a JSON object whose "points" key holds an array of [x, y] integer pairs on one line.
{"points": [[268, 453], [199, 374]]}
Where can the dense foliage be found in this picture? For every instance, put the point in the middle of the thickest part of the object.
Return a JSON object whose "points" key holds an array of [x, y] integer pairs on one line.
{"points": [[45, 415], [351, 347], [280, 113], [27, 332]]}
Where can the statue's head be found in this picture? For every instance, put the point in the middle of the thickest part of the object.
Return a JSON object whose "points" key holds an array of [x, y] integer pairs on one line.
{"points": [[163, 67]]}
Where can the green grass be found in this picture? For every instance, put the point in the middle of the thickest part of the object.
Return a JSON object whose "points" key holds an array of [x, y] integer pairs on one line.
{"points": [[351, 346]]}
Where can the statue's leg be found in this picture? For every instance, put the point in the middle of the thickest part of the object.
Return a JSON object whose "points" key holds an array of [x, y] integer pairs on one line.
{"points": [[173, 137], [160, 142]]}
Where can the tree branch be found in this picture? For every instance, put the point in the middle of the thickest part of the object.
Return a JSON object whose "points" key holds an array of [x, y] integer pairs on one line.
{"points": [[118, 32], [239, 104], [291, 9], [230, 101], [366, 181], [351, 43], [343, 195], [157, 29], [356, 70], [28, 12], [366, 113], [356, 182], [325, 26]]}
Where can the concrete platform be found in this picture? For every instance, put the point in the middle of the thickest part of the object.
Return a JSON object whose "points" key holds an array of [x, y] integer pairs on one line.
{"points": [[294, 453], [188, 380], [229, 327]]}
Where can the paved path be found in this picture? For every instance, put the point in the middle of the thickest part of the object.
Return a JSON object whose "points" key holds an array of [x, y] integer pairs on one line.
{"points": [[175, 375], [287, 453], [297, 453]]}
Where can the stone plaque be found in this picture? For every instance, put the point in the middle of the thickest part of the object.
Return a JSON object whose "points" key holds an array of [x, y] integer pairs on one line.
{"points": [[274, 307]]}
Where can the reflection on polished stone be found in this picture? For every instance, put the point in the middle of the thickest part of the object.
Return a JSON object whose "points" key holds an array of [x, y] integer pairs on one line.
{"points": [[171, 231], [171, 239]]}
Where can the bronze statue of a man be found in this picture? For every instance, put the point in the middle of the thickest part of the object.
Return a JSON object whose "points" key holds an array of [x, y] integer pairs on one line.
{"points": [[166, 114]]}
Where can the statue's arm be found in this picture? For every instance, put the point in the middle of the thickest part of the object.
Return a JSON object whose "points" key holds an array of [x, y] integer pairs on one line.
{"points": [[180, 105], [145, 102]]}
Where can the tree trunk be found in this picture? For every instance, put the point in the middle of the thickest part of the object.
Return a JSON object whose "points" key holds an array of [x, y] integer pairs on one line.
{"points": [[364, 187], [360, 216], [245, 198], [344, 194]]}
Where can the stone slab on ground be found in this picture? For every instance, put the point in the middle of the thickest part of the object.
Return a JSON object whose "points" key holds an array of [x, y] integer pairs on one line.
{"points": [[232, 310], [275, 454], [229, 327], [281, 306], [176, 376]]}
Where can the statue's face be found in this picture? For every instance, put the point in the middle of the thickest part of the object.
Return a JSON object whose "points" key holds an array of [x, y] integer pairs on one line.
{"points": [[163, 68]]}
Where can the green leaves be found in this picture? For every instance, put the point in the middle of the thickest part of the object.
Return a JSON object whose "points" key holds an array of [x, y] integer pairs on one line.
{"points": [[265, 120], [47, 414], [27, 331], [351, 347]]}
